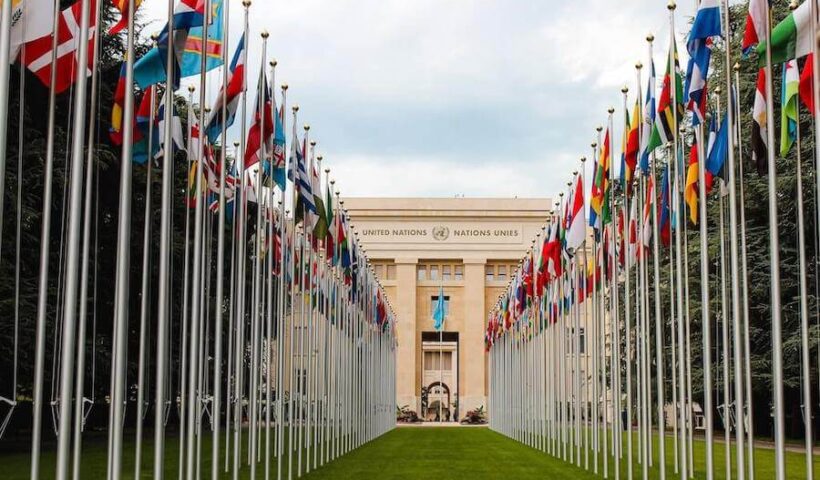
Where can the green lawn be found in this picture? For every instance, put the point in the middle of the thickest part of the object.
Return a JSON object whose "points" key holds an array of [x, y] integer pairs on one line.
{"points": [[404, 453]]}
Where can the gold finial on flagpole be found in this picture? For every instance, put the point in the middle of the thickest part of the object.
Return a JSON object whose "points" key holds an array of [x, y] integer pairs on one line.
{"points": [[671, 6]]}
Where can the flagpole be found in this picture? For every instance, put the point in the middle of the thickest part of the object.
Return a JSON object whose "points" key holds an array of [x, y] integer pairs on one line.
{"points": [[220, 250], [774, 258], [164, 308], [594, 337], [79, 406], [6, 23], [280, 383], [145, 293], [45, 243], [727, 438], [627, 304], [745, 306]]}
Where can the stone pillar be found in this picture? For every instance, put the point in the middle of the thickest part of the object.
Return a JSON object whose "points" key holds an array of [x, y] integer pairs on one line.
{"points": [[405, 309], [472, 342]]}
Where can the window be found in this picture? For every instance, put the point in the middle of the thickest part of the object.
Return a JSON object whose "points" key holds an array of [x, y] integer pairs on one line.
{"points": [[459, 272], [583, 340], [489, 273], [435, 361], [433, 272], [434, 300], [422, 272], [379, 269], [391, 272], [445, 272], [501, 271]]}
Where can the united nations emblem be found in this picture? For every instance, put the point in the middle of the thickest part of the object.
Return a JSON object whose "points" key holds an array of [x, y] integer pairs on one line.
{"points": [[441, 233]]}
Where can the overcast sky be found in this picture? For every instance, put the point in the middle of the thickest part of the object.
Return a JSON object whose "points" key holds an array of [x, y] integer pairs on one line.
{"points": [[463, 97]]}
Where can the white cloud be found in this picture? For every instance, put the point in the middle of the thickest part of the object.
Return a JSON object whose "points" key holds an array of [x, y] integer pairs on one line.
{"points": [[474, 97]]}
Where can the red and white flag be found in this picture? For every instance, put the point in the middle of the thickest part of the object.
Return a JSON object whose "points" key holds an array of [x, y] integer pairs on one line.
{"points": [[755, 24], [36, 55], [577, 224]]}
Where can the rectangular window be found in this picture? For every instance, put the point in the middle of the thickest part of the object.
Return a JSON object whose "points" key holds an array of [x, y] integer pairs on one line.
{"points": [[459, 272], [422, 272], [391, 272], [501, 271], [583, 338], [489, 273], [434, 300], [445, 272], [379, 269], [433, 272], [447, 361]]}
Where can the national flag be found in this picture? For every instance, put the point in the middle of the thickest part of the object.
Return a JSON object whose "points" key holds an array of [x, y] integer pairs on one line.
{"points": [[122, 6], [600, 185], [298, 174], [576, 232], [319, 218], [705, 26], [791, 38], [142, 131], [690, 193], [150, 69], [37, 54], [554, 267], [191, 63], [664, 220], [648, 123], [115, 133], [261, 131], [229, 96], [632, 239], [668, 114], [789, 106], [542, 274], [31, 20], [330, 240], [807, 83], [718, 150], [647, 212], [632, 149], [177, 136], [755, 24], [759, 125], [278, 153]]}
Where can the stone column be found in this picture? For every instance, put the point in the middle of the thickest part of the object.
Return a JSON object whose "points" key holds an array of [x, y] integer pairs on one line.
{"points": [[405, 309], [471, 343]]}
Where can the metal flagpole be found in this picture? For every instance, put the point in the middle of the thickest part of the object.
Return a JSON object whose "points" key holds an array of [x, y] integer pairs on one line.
{"points": [[165, 261], [747, 369], [280, 383], [220, 255], [45, 243], [145, 292], [627, 304], [774, 259], [119, 353], [79, 405], [6, 22]]}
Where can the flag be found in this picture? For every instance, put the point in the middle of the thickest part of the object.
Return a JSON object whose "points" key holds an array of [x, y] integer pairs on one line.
{"points": [[229, 96], [632, 149], [755, 24], [330, 239], [663, 221], [690, 193], [789, 106], [648, 118], [150, 69], [37, 54], [143, 119], [791, 38], [319, 218], [759, 125], [664, 129], [176, 131], [718, 150], [122, 6], [439, 311], [259, 135], [115, 133], [298, 174], [600, 185], [647, 212], [576, 232], [705, 26], [554, 251], [31, 20], [191, 63], [632, 239], [278, 144], [541, 273], [807, 82]]}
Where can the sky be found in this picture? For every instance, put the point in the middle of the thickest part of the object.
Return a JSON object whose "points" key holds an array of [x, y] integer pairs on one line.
{"points": [[480, 98]]}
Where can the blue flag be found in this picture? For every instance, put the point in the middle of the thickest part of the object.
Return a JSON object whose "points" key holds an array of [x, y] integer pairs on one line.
{"points": [[191, 63], [439, 312]]}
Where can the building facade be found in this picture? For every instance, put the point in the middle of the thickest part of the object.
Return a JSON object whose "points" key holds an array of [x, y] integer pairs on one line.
{"points": [[465, 247]]}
